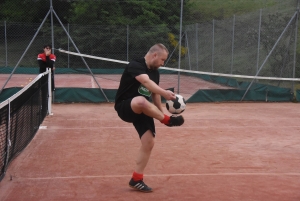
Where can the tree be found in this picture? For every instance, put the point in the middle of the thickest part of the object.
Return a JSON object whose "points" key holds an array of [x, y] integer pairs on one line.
{"points": [[148, 22], [31, 10]]}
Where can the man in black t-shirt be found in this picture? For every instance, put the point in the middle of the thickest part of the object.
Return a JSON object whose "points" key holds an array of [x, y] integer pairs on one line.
{"points": [[139, 81]]}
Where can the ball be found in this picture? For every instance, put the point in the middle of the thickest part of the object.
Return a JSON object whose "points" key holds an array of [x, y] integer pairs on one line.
{"points": [[176, 106]]}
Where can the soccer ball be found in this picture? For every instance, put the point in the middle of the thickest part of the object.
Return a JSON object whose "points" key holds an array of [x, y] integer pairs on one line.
{"points": [[176, 106]]}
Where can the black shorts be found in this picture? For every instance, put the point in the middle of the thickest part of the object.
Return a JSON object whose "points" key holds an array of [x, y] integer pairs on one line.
{"points": [[141, 122]]}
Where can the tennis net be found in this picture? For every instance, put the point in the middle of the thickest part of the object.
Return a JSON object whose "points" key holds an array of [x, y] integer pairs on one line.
{"points": [[21, 116], [201, 86]]}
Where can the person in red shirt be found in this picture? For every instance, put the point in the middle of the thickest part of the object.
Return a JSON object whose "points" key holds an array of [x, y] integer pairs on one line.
{"points": [[47, 60]]}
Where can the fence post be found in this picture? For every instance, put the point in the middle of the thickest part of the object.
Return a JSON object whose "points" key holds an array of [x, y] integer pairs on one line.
{"points": [[179, 57], [213, 47], [232, 47], [258, 41], [295, 51], [5, 41], [68, 26], [197, 47], [127, 52]]}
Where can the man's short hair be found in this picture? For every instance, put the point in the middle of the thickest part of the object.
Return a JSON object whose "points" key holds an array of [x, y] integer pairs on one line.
{"points": [[158, 47]]}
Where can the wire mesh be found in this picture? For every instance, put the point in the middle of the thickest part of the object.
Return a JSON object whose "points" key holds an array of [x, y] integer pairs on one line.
{"points": [[237, 44]]}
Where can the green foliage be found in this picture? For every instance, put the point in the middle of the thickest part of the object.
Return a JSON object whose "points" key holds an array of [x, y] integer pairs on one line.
{"points": [[15, 10], [206, 10], [141, 16], [30, 10], [149, 21], [129, 12]]}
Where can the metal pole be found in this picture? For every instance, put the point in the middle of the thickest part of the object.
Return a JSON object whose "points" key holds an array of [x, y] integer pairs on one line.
{"points": [[127, 42], [8, 141], [5, 41], [52, 29], [185, 56], [188, 52], [258, 41], [295, 50], [179, 57], [232, 45], [296, 13], [49, 91], [81, 56], [52, 39], [213, 47], [36, 33], [197, 47], [68, 46]]}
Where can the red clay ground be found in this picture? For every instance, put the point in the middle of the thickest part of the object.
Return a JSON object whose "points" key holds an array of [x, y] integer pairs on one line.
{"points": [[226, 151]]}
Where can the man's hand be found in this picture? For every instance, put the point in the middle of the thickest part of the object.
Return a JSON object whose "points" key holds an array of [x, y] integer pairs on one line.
{"points": [[169, 95]]}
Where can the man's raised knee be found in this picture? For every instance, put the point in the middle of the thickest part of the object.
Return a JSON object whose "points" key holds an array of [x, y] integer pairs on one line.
{"points": [[138, 103]]}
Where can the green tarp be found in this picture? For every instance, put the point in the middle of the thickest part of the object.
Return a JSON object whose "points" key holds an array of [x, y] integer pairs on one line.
{"points": [[223, 95], [298, 95], [83, 95], [7, 93]]}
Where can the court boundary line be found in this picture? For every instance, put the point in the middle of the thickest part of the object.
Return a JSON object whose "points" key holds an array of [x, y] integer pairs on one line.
{"points": [[190, 127], [167, 175]]}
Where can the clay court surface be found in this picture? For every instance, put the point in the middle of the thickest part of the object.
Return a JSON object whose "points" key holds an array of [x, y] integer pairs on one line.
{"points": [[188, 85], [223, 152]]}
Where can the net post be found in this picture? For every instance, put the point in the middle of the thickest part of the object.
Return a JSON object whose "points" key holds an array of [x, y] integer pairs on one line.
{"points": [[49, 92], [8, 139]]}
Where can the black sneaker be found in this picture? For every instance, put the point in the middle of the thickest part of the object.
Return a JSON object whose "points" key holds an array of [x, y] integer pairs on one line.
{"points": [[140, 186], [175, 121]]}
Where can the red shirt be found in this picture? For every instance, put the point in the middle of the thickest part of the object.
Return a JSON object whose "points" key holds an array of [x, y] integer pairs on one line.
{"points": [[46, 61]]}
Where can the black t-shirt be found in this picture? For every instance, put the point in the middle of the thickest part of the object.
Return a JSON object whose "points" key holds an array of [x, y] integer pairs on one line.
{"points": [[129, 87]]}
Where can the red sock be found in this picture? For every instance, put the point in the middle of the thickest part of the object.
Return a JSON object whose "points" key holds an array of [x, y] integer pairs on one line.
{"points": [[165, 120], [137, 176]]}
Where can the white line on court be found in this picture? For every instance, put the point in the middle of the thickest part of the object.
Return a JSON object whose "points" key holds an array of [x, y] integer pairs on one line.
{"points": [[93, 83], [177, 128], [169, 175]]}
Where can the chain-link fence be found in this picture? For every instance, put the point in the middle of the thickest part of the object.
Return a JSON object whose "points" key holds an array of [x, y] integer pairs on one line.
{"points": [[261, 42], [240, 44]]}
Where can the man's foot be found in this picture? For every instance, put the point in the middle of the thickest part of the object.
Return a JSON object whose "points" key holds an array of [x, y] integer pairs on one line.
{"points": [[175, 121], [140, 186]]}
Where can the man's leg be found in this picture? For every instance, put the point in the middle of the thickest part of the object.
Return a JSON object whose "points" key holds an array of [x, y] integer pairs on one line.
{"points": [[147, 143], [140, 105]]}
